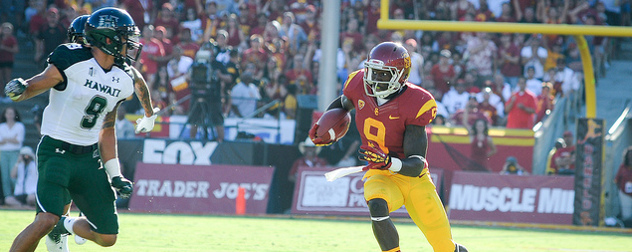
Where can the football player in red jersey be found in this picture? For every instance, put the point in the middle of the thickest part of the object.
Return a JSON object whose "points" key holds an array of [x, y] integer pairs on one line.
{"points": [[391, 115]]}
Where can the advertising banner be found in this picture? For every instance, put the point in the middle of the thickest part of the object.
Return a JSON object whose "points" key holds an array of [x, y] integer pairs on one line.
{"points": [[476, 196], [589, 172], [313, 194], [450, 148], [196, 189]]}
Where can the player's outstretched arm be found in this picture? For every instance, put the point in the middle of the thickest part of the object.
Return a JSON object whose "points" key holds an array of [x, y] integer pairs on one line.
{"points": [[146, 123], [109, 155], [19, 89], [142, 92]]}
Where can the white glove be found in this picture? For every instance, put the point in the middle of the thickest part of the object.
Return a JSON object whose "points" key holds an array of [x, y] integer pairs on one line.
{"points": [[15, 88], [146, 124]]}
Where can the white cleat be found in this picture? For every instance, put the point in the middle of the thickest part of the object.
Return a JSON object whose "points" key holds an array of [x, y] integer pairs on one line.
{"points": [[80, 240], [57, 245]]}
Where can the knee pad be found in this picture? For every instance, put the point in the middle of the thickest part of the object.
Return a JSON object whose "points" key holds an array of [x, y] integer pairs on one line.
{"points": [[378, 208]]}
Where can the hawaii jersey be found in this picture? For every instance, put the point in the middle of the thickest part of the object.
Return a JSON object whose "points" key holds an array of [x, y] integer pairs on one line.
{"points": [[79, 104], [386, 124]]}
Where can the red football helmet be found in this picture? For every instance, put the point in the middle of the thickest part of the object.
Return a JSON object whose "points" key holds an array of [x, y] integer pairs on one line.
{"points": [[386, 69]]}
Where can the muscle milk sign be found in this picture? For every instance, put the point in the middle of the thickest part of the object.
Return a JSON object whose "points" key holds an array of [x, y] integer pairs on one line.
{"points": [[160, 151], [199, 189], [511, 198]]}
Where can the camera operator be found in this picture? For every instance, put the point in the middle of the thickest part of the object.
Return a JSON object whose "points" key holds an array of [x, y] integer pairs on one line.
{"points": [[206, 92]]}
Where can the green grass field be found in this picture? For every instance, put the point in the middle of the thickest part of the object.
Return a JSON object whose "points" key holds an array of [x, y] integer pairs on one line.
{"points": [[150, 232]]}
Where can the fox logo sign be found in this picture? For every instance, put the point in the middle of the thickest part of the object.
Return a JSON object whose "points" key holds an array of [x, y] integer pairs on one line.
{"points": [[157, 151]]}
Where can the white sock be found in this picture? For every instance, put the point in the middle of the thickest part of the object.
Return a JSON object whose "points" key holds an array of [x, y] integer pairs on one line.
{"points": [[68, 223]]}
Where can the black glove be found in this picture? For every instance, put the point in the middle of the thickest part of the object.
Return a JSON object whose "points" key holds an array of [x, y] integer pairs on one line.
{"points": [[123, 186]]}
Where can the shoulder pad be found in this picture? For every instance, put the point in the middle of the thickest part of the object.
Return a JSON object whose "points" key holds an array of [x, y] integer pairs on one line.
{"points": [[66, 55]]}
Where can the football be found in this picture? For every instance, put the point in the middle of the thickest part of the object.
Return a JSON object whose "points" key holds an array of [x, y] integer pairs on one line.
{"points": [[333, 124]]}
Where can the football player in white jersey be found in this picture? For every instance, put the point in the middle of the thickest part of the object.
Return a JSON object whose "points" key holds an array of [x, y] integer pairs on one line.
{"points": [[145, 124], [78, 133]]}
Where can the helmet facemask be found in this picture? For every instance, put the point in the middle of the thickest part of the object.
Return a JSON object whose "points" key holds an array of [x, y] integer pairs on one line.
{"points": [[134, 47], [376, 80]]}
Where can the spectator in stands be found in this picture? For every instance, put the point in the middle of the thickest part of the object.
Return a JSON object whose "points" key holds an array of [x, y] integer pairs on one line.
{"points": [[441, 108], [501, 88], [417, 62], [290, 104], [456, 98], [564, 158], [481, 144], [8, 48], [460, 8], [210, 21], [309, 158], [227, 6], [152, 49], [124, 128], [568, 79], [443, 73], [534, 55], [301, 76], [534, 85], [352, 35], [489, 104], [574, 59], [506, 14], [260, 26], [511, 166], [37, 16], [164, 89], [311, 25], [546, 102], [472, 81], [247, 19], [468, 115], [551, 168], [256, 55], [236, 37], [12, 133], [167, 19], [194, 25], [554, 54], [160, 33], [520, 108], [623, 180], [24, 173], [221, 47], [189, 47], [482, 55], [294, 33], [180, 64], [139, 10], [244, 96], [50, 35], [509, 59]]}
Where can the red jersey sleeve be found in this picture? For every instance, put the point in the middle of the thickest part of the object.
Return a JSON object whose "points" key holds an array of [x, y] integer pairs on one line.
{"points": [[420, 104]]}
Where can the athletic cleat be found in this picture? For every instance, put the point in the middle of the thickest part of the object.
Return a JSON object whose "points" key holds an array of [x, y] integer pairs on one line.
{"points": [[80, 240], [57, 242], [460, 248]]}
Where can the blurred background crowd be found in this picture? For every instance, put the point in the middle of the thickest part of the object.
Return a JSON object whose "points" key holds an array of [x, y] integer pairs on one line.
{"points": [[260, 51]]}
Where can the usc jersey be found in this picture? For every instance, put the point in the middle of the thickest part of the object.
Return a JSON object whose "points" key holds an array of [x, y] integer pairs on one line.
{"points": [[79, 104], [385, 124]]}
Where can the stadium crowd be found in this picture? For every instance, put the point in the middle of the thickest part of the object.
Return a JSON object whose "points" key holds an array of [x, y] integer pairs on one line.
{"points": [[261, 51], [274, 44]]}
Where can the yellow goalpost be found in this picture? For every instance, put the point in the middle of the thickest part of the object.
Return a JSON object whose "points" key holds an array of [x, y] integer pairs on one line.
{"points": [[578, 31]]}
